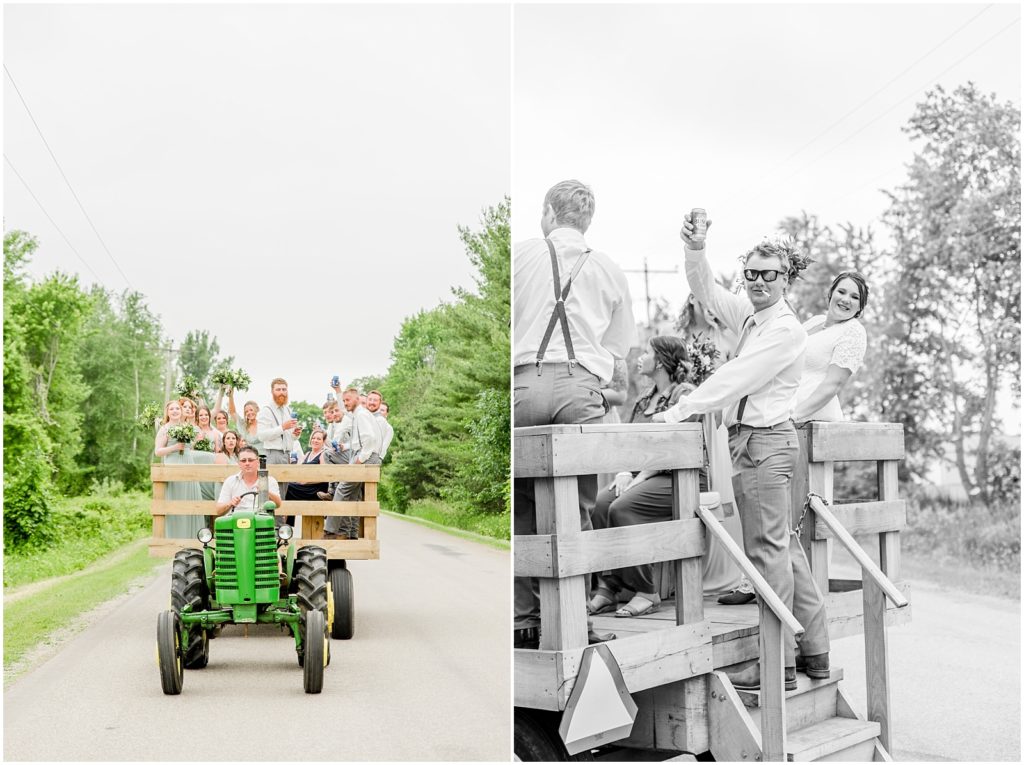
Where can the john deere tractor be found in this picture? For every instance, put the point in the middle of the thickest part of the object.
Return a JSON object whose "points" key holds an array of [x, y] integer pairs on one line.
{"points": [[245, 578]]}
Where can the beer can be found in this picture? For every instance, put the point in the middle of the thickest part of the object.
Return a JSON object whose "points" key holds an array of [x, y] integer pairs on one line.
{"points": [[335, 381], [699, 219]]}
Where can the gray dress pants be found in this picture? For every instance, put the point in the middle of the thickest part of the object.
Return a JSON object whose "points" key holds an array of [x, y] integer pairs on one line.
{"points": [[348, 491], [553, 397]]}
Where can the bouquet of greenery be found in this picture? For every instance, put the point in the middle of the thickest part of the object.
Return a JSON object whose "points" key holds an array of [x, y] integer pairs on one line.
{"points": [[203, 445], [235, 379], [188, 387], [149, 414], [703, 355], [183, 433]]}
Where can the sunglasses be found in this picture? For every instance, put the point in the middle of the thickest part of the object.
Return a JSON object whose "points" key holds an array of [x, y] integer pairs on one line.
{"points": [[768, 274]]}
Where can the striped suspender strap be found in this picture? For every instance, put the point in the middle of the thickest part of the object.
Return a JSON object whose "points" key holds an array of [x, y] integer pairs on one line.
{"points": [[558, 314]]}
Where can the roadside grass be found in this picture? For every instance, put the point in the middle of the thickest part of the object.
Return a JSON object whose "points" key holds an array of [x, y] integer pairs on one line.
{"points": [[82, 530], [31, 621], [485, 524]]}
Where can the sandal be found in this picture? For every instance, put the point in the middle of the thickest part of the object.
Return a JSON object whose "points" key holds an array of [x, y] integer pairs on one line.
{"points": [[602, 602], [638, 606]]}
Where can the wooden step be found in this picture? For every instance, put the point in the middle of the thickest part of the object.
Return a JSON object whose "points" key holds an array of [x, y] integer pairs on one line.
{"points": [[811, 702], [829, 738]]}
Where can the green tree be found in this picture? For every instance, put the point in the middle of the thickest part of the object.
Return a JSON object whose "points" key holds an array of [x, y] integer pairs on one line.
{"points": [[448, 385], [27, 466], [199, 357], [308, 414], [122, 367], [953, 308]]}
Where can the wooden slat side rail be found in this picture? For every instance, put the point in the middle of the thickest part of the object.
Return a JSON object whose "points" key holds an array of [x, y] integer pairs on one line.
{"points": [[350, 549], [563, 609], [761, 587], [773, 686], [853, 441], [865, 518], [288, 507], [871, 571], [545, 679], [636, 447], [604, 549], [297, 473]]}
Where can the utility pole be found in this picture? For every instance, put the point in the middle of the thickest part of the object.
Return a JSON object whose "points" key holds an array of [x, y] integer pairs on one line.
{"points": [[647, 282]]}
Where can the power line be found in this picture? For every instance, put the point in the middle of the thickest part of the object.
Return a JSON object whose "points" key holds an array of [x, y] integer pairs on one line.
{"points": [[895, 105], [52, 221], [919, 59], [64, 176]]}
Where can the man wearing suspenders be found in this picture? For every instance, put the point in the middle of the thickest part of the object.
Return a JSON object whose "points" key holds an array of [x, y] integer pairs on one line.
{"points": [[757, 391], [278, 430], [573, 319]]}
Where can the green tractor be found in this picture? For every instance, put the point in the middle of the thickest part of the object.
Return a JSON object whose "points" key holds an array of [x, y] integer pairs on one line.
{"points": [[244, 579]]}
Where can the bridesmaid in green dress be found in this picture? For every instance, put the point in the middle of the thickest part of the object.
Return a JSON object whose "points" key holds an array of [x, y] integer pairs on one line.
{"points": [[174, 452]]}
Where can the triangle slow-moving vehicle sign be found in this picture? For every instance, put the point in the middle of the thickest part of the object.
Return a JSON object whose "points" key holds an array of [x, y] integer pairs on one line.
{"points": [[600, 709]]}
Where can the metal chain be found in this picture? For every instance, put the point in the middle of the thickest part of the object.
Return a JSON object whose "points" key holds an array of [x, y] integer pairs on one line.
{"points": [[807, 506]]}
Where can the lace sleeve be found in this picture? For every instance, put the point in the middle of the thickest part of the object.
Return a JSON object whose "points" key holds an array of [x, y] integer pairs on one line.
{"points": [[849, 350]]}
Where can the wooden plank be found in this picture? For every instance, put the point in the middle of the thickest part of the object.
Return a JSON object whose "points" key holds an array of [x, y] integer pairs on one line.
{"points": [[306, 473], [876, 660], [288, 507], [637, 447], [563, 609], [604, 549], [842, 605], [732, 736], [537, 680], [820, 481], [773, 689], [860, 518], [312, 527], [166, 548], [337, 549], [689, 585], [889, 543], [680, 715], [868, 567], [370, 528], [646, 661], [798, 483], [159, 521], [852, 441]]}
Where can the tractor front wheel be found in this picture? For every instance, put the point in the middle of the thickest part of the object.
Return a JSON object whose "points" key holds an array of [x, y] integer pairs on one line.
{"points": [[315, 649], [188, 588], [310, 581], [343, 594], [168, 652]]}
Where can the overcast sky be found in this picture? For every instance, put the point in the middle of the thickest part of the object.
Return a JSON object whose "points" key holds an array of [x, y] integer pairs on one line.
{"points": [[754, 112], [290, 178]]}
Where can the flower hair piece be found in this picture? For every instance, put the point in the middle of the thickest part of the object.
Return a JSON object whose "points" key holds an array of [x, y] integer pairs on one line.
{"points": [[784, 248]]}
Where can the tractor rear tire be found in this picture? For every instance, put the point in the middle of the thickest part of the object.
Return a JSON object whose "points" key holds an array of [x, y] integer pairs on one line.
{"points": [[343, 594], [169, 655], [315, 625], [188, 588], [310, 578], [536, 738]]}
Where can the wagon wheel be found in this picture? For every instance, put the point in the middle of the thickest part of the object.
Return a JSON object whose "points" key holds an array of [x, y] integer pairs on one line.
{"points": [[536, 738]]}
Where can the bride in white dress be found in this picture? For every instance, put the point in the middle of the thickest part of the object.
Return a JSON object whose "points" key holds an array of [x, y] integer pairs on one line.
{"points": [[836, 342]]}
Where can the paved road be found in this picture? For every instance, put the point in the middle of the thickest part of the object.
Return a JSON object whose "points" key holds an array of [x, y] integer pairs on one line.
{"points": [[426, 677], [955, 672]]}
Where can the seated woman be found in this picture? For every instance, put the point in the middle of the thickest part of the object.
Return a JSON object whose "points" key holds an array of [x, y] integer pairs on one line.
{"points": [[647, 496], [836, 343], [306, 492]]}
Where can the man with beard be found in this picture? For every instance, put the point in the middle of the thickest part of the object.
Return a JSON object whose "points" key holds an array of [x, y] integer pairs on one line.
{"points": [[376, 405], [277, 429], [364, 448]]}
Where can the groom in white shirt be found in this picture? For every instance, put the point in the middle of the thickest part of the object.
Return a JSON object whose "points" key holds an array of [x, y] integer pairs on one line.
{"points": [[757, 391]]}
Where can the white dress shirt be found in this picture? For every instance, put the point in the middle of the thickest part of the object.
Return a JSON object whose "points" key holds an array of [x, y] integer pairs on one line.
{"points": [[269, 430], [767, 368], [365, 435], [235, 486], [599, 308], [386, 433]]}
